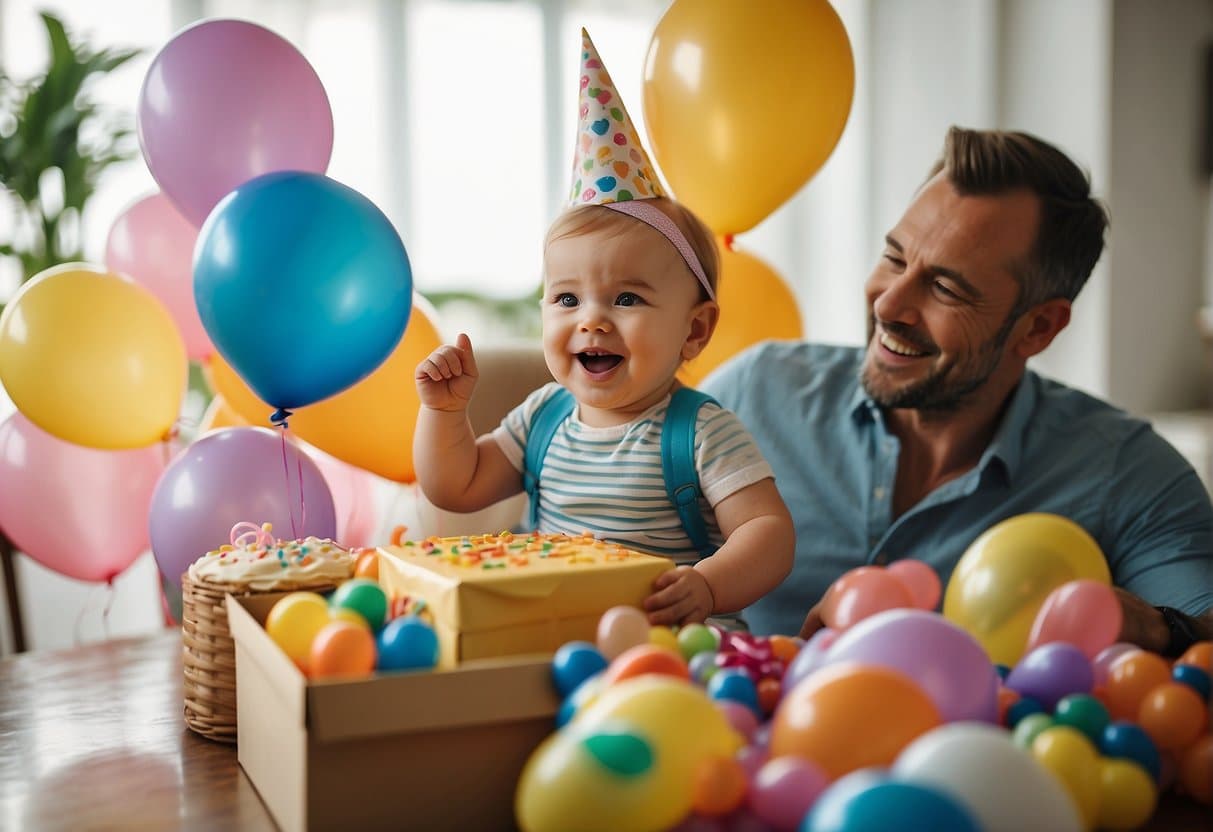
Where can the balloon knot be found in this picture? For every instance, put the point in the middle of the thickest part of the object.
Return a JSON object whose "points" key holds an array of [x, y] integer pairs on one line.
{"points": [[728, 241], [279, 417]]}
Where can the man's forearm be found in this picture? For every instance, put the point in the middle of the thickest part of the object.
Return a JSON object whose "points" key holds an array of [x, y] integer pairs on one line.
{"points": [[1147, 626]]}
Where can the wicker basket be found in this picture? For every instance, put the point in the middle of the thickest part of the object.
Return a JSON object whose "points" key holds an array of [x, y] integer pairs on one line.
{"points": [[209, 655]]}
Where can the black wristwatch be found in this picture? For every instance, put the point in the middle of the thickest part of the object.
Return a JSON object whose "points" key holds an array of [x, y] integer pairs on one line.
{"points": [[1182, 629]]}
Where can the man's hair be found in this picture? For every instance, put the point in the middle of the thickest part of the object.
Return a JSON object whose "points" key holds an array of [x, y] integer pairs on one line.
{"points": [[1070, 237], [584, 219]]}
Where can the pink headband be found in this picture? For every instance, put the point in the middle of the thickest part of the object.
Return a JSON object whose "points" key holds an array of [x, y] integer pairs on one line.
{"points": [[656, 219]]}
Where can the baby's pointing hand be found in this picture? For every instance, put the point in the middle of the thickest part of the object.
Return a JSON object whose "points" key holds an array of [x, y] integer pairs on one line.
{"points": [[446, 379]]}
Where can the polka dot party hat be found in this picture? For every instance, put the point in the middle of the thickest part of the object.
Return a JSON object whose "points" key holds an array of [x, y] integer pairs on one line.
{"points": [[609, 162]]}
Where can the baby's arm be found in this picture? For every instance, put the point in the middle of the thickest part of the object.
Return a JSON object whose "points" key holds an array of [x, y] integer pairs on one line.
{"points": [[757, 554], [455, 470]]}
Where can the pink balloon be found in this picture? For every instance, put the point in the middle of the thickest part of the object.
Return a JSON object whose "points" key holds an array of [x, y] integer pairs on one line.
{"points": [[225, 101], [861, 592], [154, 244], [784, 789], [79, 511], [920, 580], [353, 492], [1082, 612]]}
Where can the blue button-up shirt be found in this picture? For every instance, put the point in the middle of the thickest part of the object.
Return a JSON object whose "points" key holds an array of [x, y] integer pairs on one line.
{"points": [[1056, 450]]}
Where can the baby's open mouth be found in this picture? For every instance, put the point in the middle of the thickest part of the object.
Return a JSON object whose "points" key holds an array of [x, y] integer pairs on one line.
{"points": [[598, 362]]}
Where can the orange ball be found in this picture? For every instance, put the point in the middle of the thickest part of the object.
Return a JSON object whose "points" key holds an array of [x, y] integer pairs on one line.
{"points": [[785, 648], [646, 658], [342, 649], [1006, 698], [719, 787], [1173, 715], [1130, 678], [769, 691], [1196, 769], [367, 565], [848, 716], [1199, 654]]}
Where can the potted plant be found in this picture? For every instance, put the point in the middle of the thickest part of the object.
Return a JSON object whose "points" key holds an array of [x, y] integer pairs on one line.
{"points": [[55, 142]]}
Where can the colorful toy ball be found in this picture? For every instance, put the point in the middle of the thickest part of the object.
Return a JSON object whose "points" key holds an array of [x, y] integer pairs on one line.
{"points": [[364, 597], [293, 623], [407, 643], [342, 649], [575, 662]]}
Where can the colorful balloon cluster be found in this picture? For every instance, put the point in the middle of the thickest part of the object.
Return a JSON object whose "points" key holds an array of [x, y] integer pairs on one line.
{"points": [[352, 633], [896, 719], [297, 285], [741, 113]]}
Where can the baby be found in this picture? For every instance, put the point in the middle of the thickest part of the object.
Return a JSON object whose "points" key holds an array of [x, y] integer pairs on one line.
{"points": [[629, 281]]}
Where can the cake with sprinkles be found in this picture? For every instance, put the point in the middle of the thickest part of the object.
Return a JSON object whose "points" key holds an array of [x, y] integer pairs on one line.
{"points": [[253, 562], [510, 594]]}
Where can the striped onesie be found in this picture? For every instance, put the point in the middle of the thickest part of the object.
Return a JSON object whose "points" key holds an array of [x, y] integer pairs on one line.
{"points": [[609, 481]]}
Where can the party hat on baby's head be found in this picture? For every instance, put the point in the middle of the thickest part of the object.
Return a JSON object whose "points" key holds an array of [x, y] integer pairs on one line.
{"points": [[609, 162]]}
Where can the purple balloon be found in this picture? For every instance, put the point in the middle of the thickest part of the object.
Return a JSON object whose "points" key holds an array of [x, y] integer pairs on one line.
{"points": [[810, 657], [784, 789], [225, 101], [948, 664], [1050, 672], [229, 476]]}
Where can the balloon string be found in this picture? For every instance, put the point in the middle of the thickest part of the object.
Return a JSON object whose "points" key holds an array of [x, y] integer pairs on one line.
{"points": [[279, 419]]}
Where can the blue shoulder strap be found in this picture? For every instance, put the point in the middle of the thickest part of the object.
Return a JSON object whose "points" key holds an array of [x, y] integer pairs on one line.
{"points": [[678, 464], [548, 418]]}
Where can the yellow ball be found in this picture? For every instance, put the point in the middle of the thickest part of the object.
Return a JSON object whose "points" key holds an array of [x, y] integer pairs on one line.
{"points": [[293, 623], [1072, 759], [664, 637], [1126, 794]]}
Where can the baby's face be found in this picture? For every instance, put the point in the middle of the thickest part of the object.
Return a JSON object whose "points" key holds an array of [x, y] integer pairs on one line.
{"points": [[618, 309]]}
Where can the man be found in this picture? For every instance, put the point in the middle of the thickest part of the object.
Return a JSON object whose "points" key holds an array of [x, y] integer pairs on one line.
{"points": [[936, 431]]}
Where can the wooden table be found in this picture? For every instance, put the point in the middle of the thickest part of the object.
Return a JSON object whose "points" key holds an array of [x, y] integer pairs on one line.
{"points": [[93, 738]]}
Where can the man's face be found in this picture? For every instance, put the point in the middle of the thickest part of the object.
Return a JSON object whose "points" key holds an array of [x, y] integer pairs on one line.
{"points": [[941, 298]]}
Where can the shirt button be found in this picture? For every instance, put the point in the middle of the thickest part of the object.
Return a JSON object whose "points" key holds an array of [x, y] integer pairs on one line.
{"points": [[878, 492], [882, 558]]}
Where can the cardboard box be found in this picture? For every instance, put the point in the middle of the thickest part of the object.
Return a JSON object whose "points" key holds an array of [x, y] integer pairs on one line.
{"points": [[494, 606], [421, 750]]}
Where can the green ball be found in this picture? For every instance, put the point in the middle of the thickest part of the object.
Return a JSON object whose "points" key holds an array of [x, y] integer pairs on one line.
{"points": [[364, 597], [1084, 712], [696, 638], [1027, 729]]}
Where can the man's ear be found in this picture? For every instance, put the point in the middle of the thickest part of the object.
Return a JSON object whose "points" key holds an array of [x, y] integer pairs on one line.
{"points": [[703, 323], [1040, 325]]}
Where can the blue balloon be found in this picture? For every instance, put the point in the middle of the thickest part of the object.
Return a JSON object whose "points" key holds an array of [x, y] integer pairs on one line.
{"points": [[887, 805], [575, 662], [302, 284], [1129, 741]]}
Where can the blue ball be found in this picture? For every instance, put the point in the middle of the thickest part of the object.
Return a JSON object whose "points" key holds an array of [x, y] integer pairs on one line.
{"points": [[1194, 677], [872, 805], [1128, 741], [735, 684], [1022, 707], [575, 662], [407, 643]]}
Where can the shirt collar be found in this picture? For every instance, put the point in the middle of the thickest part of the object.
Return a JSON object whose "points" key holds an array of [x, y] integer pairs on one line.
{"points": [[1007, 445]]}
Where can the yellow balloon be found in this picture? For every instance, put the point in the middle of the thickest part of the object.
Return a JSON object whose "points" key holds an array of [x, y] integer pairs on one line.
{"points": [[1069, 756], [93, 358], [1127, 795], [1006, 574], [755, 304], [744, 105], [369, 425], [628, 761]]}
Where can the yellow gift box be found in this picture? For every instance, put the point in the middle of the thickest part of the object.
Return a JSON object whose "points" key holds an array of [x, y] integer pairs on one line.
{"points": [[503, 595]]}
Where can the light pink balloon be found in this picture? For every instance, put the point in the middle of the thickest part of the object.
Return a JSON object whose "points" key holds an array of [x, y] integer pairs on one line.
{"points": [[921, 581], [225, 101], [1083, 612], [151, 242], [353, 492], [861, 592], [79, 511]]}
